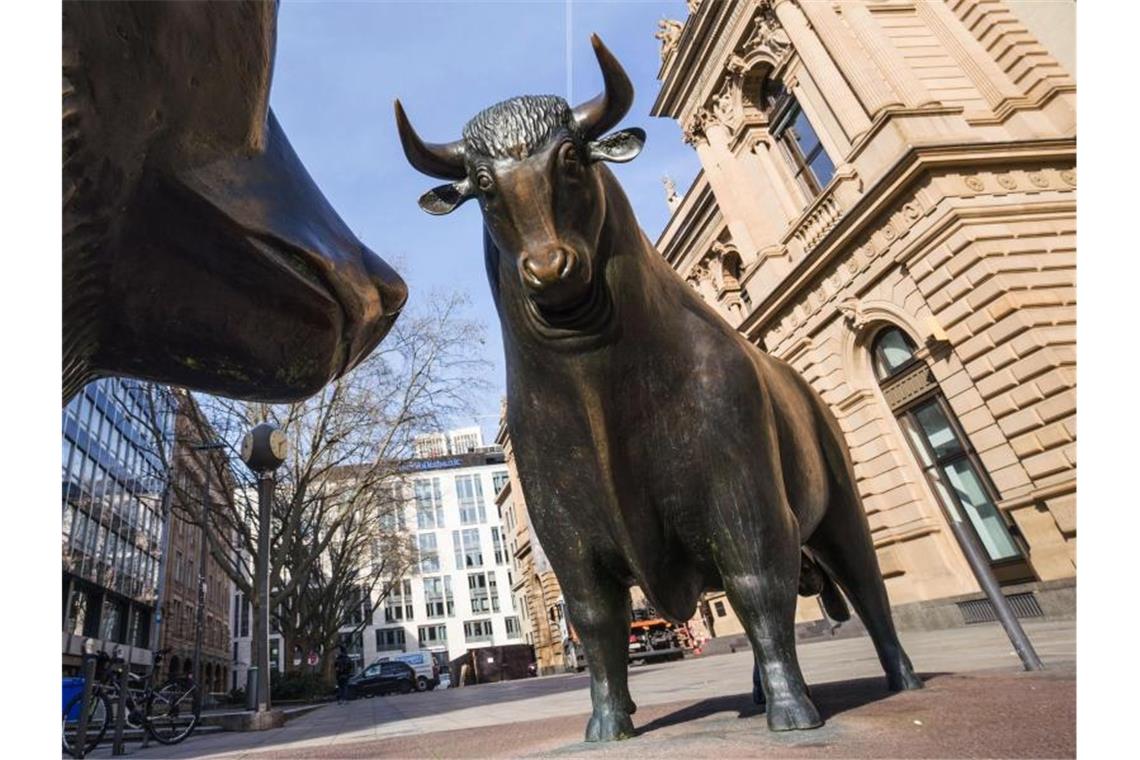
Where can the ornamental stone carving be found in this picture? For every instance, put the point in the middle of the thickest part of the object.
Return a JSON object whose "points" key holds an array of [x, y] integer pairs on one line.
{"points": [[669, 32], [852, 310], [693, 132], [672, 199], [767, 36], [727, 107]]}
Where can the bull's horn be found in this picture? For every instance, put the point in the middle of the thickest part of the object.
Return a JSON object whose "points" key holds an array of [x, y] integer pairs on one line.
{"points": [[443, 160], [597, 115]]}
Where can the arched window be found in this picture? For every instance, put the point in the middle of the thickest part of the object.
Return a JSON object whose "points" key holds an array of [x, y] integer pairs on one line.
{"points": [[944, 452]]}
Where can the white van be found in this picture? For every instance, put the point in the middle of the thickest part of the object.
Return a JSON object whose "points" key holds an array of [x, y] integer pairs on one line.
{"points": [[427, 670]]}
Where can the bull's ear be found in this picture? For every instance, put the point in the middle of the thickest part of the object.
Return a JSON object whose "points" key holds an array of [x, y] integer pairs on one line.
{"points": [[618, 147], [445, 198]]}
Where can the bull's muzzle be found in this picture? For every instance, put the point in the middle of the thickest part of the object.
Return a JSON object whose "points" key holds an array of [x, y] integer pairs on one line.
{"points": [[548, 267]]}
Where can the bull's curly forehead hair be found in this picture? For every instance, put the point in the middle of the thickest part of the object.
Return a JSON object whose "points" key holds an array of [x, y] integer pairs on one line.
{"points": [[518, 127]]}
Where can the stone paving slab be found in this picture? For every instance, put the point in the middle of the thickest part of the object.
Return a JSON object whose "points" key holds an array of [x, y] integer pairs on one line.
{"points": [[961, 716], [548, 715]]}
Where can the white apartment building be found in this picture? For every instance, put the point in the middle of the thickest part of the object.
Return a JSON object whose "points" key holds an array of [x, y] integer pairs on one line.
{"points": [[459, 594]]}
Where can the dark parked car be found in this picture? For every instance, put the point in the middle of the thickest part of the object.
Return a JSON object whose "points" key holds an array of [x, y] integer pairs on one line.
{"points": [[382, 678]]}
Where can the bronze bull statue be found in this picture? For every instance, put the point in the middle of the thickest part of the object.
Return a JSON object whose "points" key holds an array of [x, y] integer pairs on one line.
{"points": [[197, 250], [655, 445]]}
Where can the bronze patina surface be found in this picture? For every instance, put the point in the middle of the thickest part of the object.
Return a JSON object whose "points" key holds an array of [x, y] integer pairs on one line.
{"points": [[655, 445], [197, 249]]}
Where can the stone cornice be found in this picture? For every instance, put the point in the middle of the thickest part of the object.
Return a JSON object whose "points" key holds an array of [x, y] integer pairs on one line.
{"points": [[704, 40], [907, 171]]}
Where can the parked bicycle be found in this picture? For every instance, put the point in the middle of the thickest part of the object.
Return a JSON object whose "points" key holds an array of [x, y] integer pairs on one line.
{"points": [[168, 714]]}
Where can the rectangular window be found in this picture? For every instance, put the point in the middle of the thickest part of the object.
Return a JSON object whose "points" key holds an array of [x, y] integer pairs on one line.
{"points": [[398, 605], [811, 165], [392, 508], [478, 630], [429, 504], [470, 491], [433, 635], [951, 469], [497, 543], [429, 553], [478, 592], [438, 598], [390, 639], [468, 551], [499, 479], [514, 630]]}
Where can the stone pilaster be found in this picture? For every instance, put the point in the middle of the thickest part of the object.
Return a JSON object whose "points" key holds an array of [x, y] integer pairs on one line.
{"points": [[870, 87], [847, 108], [910, 89], [975, 61]]}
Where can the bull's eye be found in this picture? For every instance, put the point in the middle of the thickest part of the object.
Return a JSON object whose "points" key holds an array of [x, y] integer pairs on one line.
{"points": [[484, 180], [569, 155]]}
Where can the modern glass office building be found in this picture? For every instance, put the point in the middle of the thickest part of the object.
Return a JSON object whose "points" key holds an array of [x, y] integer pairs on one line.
{"points": [[113, 482]]}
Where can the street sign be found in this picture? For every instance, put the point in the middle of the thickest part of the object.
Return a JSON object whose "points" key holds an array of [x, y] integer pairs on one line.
{"points": [[313, 658]]}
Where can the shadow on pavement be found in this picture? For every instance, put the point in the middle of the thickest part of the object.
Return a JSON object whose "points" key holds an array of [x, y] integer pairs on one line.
{"points": [[832, 698]]}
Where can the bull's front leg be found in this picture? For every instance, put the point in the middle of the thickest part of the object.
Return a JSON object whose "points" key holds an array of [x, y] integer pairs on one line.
{"points": [[599, 610]]}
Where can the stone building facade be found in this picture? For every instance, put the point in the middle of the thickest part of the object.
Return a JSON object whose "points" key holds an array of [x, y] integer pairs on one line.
{"points": [[537, 594], [198, 484], [887, 201]]}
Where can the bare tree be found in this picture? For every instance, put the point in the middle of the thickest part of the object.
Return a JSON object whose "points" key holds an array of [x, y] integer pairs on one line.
{"points": [[337, 543]]}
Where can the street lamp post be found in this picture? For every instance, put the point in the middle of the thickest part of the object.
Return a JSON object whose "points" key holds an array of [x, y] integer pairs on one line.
{"points": [[263, 450], [979, 563]]}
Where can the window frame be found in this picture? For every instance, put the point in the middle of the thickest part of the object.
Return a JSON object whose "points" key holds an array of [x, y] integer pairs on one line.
{"points": [[1008, 569], [783, 116]]}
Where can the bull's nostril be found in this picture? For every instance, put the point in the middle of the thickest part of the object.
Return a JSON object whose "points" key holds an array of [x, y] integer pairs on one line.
{"points": [[531, 272]]}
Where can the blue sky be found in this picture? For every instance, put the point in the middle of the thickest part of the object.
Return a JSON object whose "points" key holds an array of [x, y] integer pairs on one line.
{"points": [[341, 64]]}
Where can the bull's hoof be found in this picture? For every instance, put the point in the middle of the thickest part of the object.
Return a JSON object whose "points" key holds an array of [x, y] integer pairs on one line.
{"points": [[609, 726], [792, 715], [630, 706], [905, 681]]}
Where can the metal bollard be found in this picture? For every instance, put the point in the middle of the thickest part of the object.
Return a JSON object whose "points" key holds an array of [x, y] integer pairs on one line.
{"points": [[121, 710], [251, 684], [80, 744]]}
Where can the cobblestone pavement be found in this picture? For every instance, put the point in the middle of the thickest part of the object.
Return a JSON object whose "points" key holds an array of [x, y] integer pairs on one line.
{"points": [[977, 703]]}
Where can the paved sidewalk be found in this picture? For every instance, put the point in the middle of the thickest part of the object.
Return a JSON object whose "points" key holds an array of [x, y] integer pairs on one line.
{"points": [[694, 708]]}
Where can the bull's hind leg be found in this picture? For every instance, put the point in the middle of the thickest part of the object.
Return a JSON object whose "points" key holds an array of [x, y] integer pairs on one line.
{"points": [[759, 561], [842, 544], [599, 610]]}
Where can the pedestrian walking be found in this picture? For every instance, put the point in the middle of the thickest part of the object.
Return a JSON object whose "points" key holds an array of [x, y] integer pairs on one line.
{"points": [[343, 667]]}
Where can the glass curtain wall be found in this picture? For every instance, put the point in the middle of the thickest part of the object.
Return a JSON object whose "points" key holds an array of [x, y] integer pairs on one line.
{"points": [[114, 441]]}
